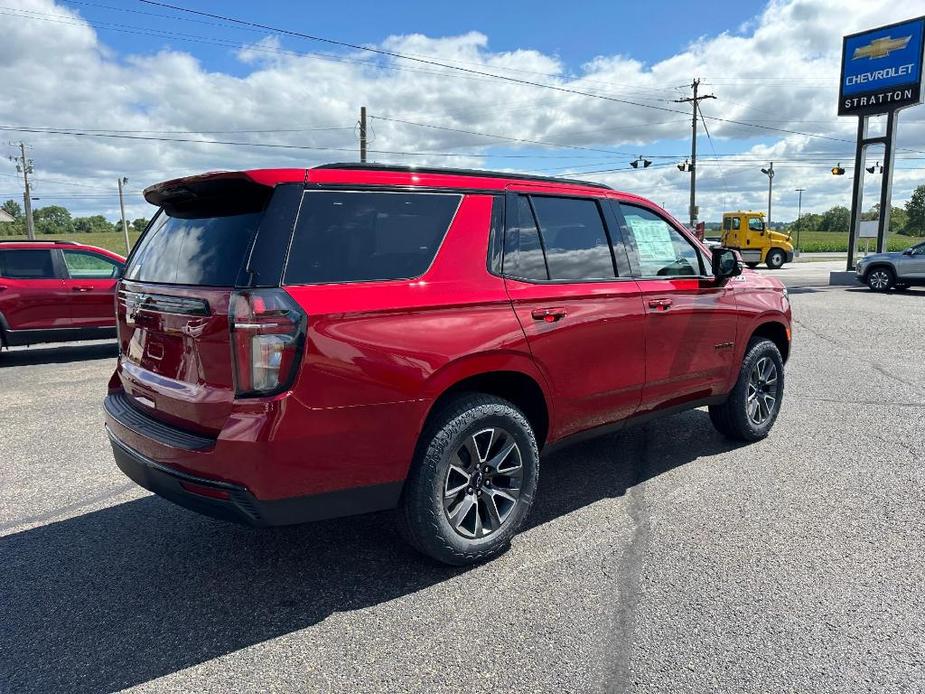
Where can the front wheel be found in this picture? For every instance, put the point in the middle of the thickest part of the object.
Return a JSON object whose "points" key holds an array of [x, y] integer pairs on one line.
{"points": [[472, 483], [775, 259], [754, 402], [880, 279]]}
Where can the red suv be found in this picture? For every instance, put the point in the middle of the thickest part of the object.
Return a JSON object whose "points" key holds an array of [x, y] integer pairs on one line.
{"points": [[56, 291], [302, 344]]}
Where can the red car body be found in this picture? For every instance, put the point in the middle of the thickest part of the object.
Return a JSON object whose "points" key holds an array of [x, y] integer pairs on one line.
{"points": [[56, 291], [375, 357]]}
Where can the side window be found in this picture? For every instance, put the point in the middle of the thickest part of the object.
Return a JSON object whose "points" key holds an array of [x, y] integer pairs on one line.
{"points": [[736, 223], [574, 238], [731, 223], [523, 252], [83, 265], [27, 265], [662, 250], [359, 236], [755, 224]]}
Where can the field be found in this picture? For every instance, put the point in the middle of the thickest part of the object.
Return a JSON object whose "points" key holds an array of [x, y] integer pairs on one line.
{"points": [[834, 241], [113, 241]]}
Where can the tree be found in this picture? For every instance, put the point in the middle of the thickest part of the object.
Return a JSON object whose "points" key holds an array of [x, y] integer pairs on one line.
{"points": [[94, 223], [12, 208], [139, 224], [836, 219], [915, 213], [53, 219]]}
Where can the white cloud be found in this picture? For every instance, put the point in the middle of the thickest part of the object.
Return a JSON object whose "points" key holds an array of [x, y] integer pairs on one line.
{"points": [[778, 70]]}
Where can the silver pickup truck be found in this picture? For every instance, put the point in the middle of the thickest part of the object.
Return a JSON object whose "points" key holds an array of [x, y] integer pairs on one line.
{"points": [[884, 271]]}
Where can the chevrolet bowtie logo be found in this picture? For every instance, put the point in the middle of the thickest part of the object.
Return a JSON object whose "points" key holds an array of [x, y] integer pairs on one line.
{"points": [[882, 47]]}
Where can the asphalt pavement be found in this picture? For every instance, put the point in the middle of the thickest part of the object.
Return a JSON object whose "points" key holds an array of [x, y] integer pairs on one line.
{"points": [[663, 559]]}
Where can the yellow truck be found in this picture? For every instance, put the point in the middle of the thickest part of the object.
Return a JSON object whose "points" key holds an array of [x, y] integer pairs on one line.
{"points": [[747, 233]]}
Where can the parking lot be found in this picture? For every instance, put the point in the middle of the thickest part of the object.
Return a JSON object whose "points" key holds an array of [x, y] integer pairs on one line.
{"points": [[663, 559]]}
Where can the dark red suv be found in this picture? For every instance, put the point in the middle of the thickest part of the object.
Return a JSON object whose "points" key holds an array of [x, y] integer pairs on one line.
{"points": [[302, 344], [56, 291]]}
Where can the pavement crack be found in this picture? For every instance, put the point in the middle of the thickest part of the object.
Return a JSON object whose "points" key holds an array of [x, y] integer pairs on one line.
{"points": [[629, 575]]}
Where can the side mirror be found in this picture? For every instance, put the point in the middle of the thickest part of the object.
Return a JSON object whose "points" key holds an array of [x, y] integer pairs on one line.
{"points": [[726, 263]]}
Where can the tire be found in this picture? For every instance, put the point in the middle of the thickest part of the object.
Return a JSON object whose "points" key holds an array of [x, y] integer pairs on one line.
{"points": [[775, 259], [736, 418], [752, 265], [460, 514], [880, 279]]}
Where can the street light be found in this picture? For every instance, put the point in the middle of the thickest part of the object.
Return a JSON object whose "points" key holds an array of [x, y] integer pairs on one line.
{"points": [[769, 172], [799, 213]]}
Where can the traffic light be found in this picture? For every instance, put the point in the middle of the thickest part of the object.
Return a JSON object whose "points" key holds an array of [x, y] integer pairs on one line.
{"points": [[872, 169], [645, 163], [685, 166], [837, 170]]}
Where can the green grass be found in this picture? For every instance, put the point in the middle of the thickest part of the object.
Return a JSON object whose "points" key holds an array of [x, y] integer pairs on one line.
{"points": [[837, 242], [113, 241]]}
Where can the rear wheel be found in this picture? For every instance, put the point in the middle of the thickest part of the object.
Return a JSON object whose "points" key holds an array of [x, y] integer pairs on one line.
{"points": [[472, 483], [752, 407], [775, 258], [880, 279]]}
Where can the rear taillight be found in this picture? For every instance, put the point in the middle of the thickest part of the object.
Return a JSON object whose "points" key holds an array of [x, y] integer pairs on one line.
{"points": [[267, 331]]}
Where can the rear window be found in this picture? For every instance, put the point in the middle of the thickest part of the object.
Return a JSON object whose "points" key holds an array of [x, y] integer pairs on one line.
{"points": [[27, 265], [207, 250], [355, 236]]}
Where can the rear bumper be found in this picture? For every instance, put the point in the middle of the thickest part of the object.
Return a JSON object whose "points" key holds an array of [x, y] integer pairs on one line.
{"points": [[164, 460]]}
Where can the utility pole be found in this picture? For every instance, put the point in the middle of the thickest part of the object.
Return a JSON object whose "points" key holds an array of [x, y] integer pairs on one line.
{"points": [[128, 245], [362, 134], [24, 166], [695, 101], [799, 212], [769, 172]]}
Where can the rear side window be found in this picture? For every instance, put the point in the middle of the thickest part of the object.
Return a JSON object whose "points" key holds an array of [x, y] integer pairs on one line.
{"points": [[27, 265], [574, 238], [189, 248], [523, 252], [346, 236]]}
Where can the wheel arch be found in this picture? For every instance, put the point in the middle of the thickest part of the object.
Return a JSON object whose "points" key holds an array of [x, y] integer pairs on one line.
{"points": [[512, 377], [776, 332], [880, 264]]}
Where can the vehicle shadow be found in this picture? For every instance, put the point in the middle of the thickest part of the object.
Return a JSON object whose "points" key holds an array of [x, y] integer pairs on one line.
{"points": [[64, 354], [123, 595]]}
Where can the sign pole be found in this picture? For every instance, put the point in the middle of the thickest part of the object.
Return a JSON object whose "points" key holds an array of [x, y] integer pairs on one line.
{"points": [[886, 185], [857, 190]]}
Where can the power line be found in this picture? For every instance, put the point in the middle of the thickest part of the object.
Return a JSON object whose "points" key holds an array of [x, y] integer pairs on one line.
{"points": [[483, 73]]}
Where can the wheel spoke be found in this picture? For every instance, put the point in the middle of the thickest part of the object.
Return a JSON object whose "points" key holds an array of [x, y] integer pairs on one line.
{"points": [[461, 512], [494, 517], [457, 479], [482, 442], [497, 463]]}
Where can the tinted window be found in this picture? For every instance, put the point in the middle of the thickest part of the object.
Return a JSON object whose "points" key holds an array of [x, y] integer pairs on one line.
{"points": [[27, 264], [190, 249], [523, 252], [349, 237], [755, 224], [82, 265], [662, 250], [731, 223], [574, 238]]}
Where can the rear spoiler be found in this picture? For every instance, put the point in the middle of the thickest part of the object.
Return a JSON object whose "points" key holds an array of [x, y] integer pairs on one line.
{"points": [[230, 185]]}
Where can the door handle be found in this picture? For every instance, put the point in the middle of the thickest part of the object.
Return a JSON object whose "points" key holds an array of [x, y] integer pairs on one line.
{"points": [[660, 304], [548, 315], [81, 289]]}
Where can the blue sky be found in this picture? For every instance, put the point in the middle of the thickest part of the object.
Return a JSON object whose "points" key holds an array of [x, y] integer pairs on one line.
{"points": [[604, 28]]}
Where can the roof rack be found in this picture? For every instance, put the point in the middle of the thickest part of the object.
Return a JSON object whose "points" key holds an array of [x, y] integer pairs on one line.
{"points": [[54, 241], [461, 172]]}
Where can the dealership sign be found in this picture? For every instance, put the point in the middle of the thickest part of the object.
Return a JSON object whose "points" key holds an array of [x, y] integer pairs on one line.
{"points": [[881, 69]]}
